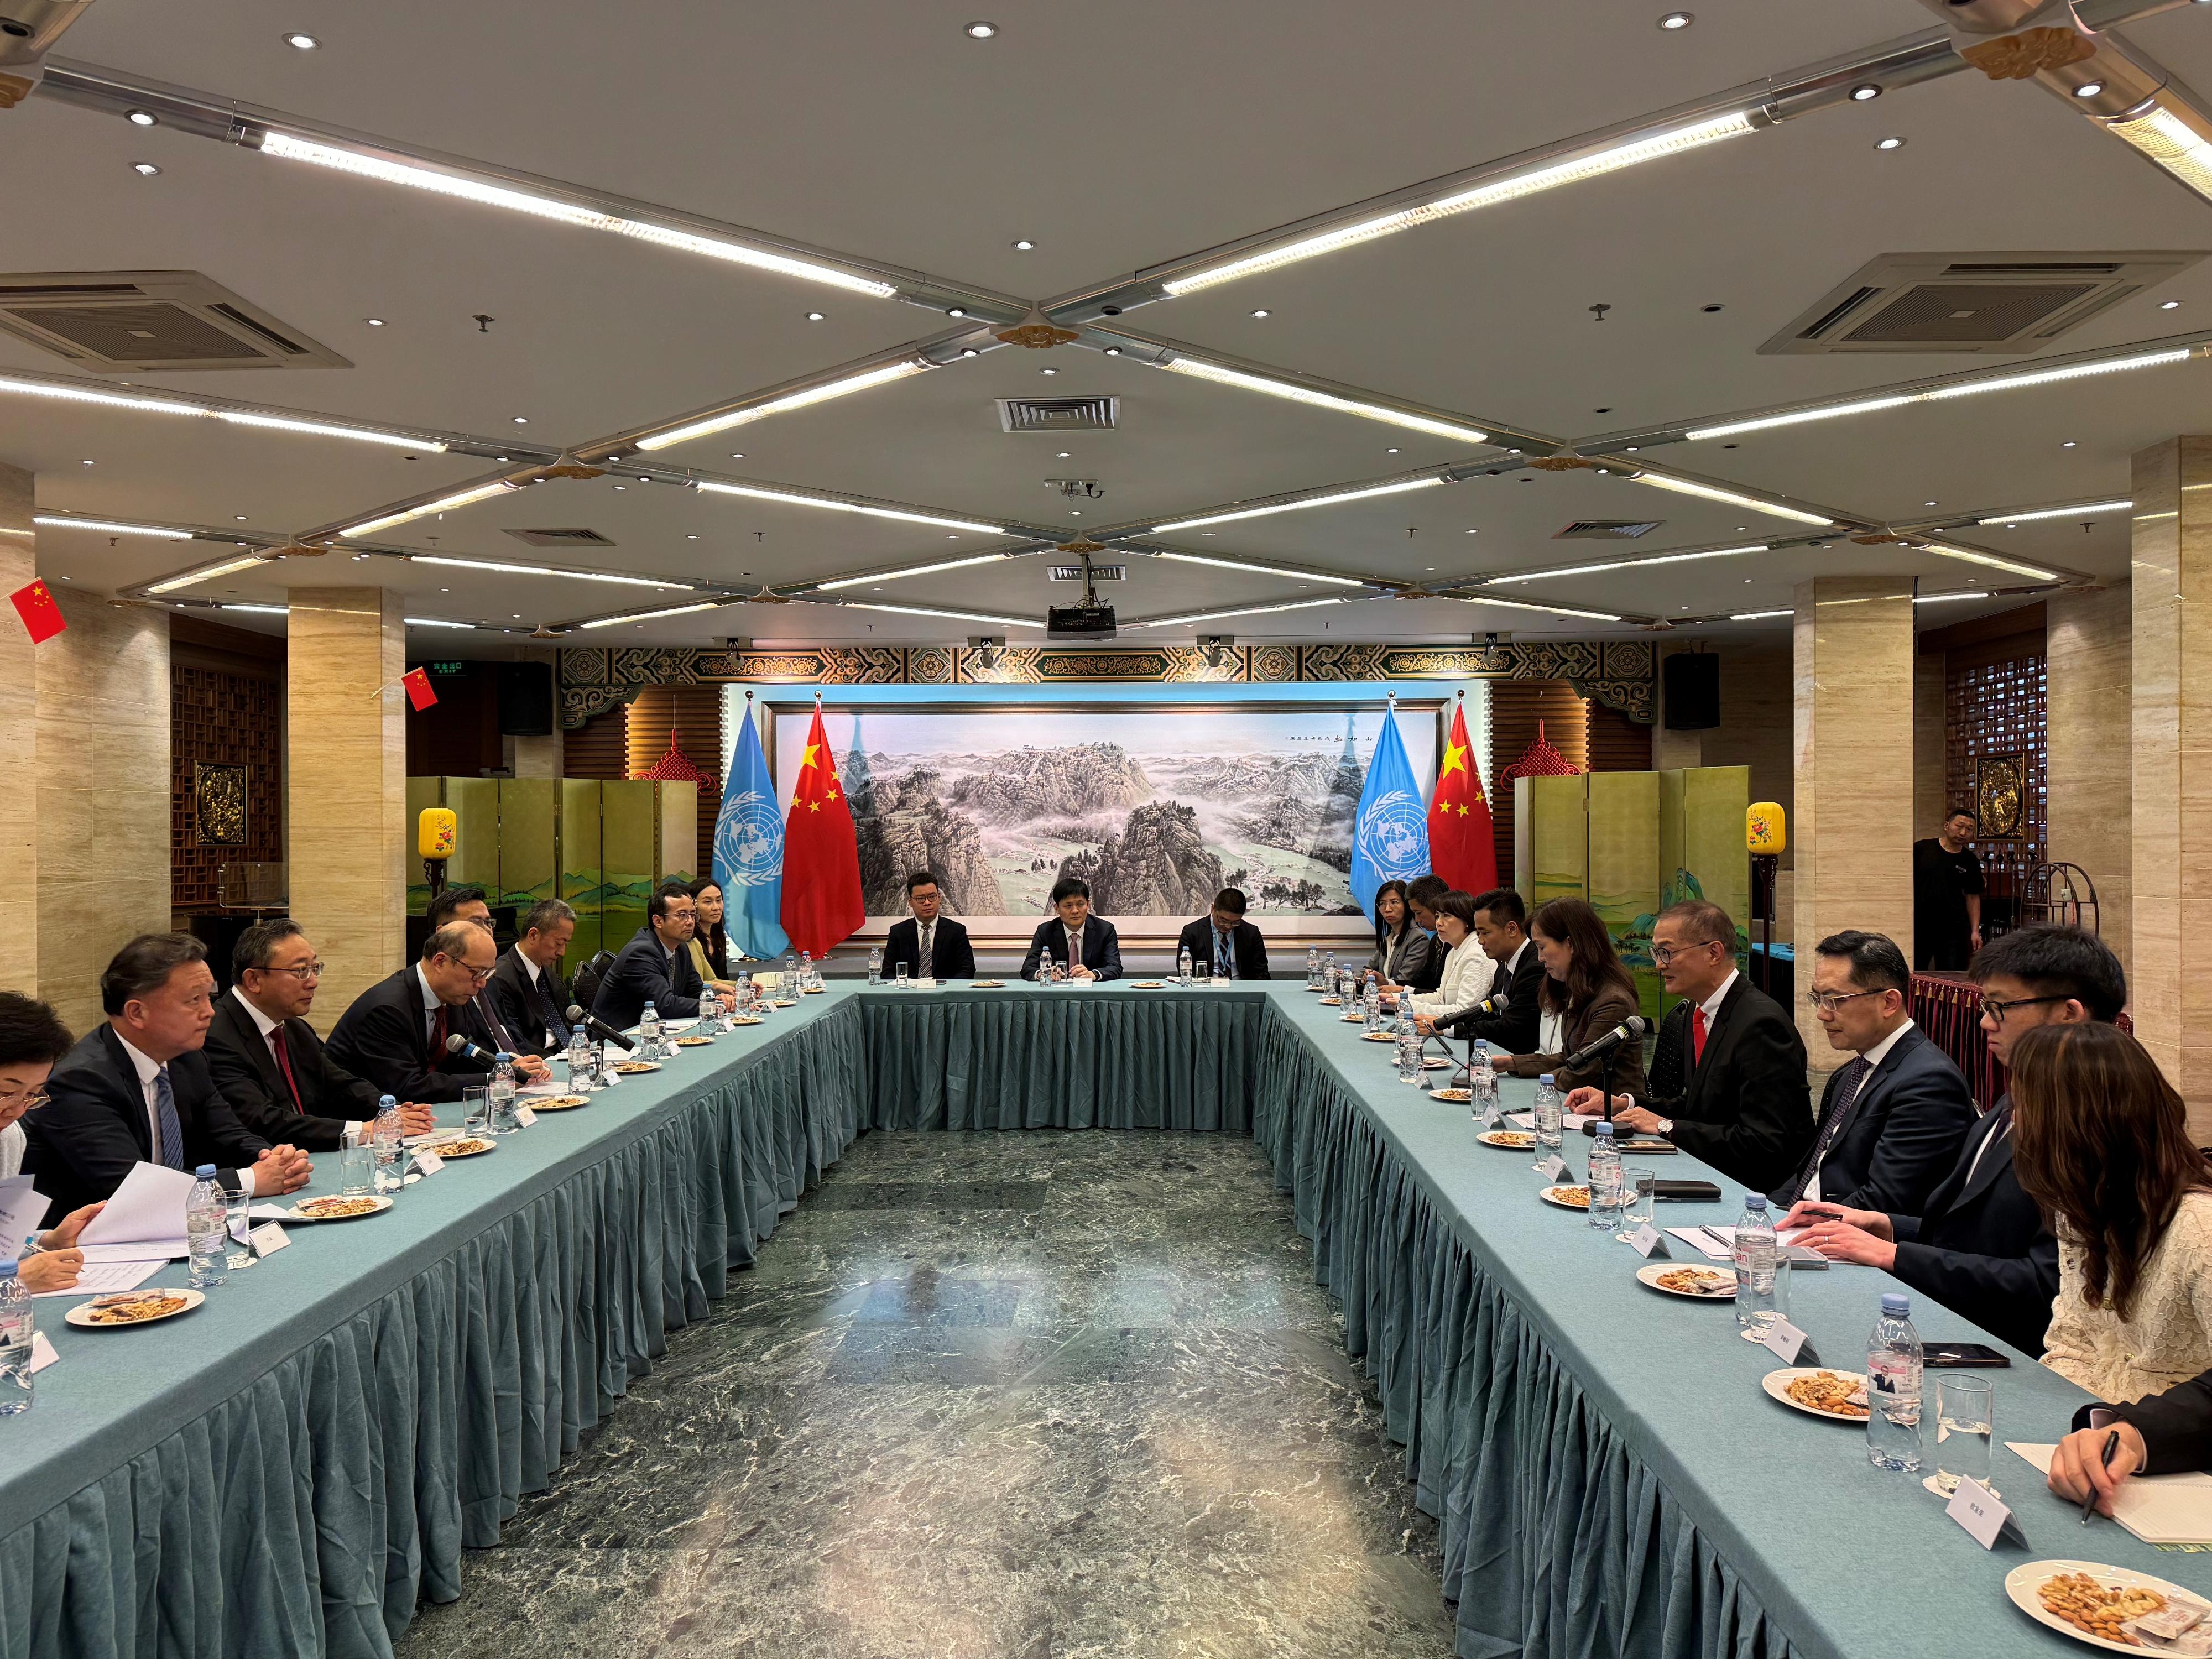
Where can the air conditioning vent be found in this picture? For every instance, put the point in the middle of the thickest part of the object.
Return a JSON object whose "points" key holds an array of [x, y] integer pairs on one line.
{"points": [[562, 538], [1059, 414], [1602, 529], [1099, 573], [1988, 303], [139, 321]]}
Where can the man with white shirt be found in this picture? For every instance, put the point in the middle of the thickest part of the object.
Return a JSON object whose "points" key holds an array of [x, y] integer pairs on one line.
{"points": [[138, 1090], [1508, 1018], [527, 996], [268, 1061]]}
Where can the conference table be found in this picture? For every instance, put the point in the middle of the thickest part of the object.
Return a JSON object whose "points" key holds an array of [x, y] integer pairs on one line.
{"points": [[290, 1468]]}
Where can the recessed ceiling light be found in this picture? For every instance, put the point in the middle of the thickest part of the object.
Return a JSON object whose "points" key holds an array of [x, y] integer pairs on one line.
{"points": [[1113, 351], [1390, 450], [2088, 88], [1632, 448], [1024, 245], [2068, 444], [1065, 454], [145, 169], [1889, 143], [2169, 304], [813, 316], [1927, 503], [1261, 312], [1864, 91], [979, 30], [240, 517], [374, 322], [737, 456], [1678, 19], [968, 351], [690, 538], [501, 460], [522, 420], [956, 311], [1048, 371], [141, 117], [622, 486], [302, 42], [1474, 533], [88, 463]]}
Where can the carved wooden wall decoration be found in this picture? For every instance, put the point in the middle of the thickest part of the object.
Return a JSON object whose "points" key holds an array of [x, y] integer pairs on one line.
{"points": [[228, 723]]}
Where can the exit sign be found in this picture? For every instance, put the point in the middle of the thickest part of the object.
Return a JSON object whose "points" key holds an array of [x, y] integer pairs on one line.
{"points": [[448, 669]]}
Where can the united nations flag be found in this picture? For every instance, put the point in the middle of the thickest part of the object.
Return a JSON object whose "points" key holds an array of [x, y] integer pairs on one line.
{"points": [[749, 850], [1390, 833]]}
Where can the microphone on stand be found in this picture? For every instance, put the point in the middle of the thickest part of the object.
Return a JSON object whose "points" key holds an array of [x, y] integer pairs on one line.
{"points": [[599, 1028], [1633, 1027], [458, 1044]]}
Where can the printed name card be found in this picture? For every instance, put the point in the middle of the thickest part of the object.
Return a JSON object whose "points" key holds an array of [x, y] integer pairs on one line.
{"points": [[1784, 1341], [1554, 1168], [524, 1116], [42, 1352], [428, 1163], [1986, 1516], [1647, 1242], [268, 1238]]}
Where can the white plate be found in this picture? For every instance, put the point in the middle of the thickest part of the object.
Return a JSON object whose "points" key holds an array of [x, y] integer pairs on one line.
{"points": [[1547, 1195], [82, 1313], [1379, 1037], [2020, 1584], [382, 1205], [1777, 1384], [1432, 1064], [1650, 1275], [560, 1104], [1525, 1143], [746, 1019], [986, 985], [445, 1149], [1146, 984]]}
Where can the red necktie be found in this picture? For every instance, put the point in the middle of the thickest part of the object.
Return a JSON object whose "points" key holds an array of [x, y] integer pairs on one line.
{"points": [[1698, 1035], [284, 1064], [438, 1037]]}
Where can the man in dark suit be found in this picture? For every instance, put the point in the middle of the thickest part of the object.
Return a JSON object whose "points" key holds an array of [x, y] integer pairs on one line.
{"points": [[268, 1061], [2168, 1433], [1075, 936], [527, 994], [1229, 947], [1981, 1247], [1892, 1116], [655, 966], [930, 944], [1508, 1018], [396, 1032], [1727, 1077], [138, 1089]]}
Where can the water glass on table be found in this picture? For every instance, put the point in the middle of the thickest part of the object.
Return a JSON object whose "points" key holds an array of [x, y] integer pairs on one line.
{"points": [[1201, 973], [237, 1252], [356, 1167], [1638, 1188], [1965, 1426], [899, 976], [476, 1109]]}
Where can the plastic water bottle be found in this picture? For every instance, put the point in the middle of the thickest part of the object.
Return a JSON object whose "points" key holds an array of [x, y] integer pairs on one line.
{"points": [[16, 1326], [1756, 1254], [875, 965], [1182, 967], [207, 1219], [1409, 1046], [1894, 1373], [807, 979], [1481, 1086], [1313, 967], [386, 1136], [648, 1032], [1370, 1009], [500, 1095], [579, 1058], [1550, 1108], [1604, 1179]]}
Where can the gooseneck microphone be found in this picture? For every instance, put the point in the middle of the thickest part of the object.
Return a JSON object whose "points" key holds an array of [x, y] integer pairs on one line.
{"points": [[458, 1044], [1630, 1029], [599, 1029]]}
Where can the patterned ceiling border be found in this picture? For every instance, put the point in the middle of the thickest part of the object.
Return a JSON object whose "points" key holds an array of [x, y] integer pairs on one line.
{"points": [[1619, 674]]}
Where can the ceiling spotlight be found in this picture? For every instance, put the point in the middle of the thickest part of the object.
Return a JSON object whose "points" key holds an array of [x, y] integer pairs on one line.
{"points": [[522, 420], [1390, 452], [1113, 351], [374, 322], [2169, 304], [738, 455], [1024, 245], [968, 351], [1259, 314], [1066, 454], [1889, 143], [302, 42], [813, 316], [140, 117], [1678, 19], [1048, 371], [956, 311], [979, 30], [88, 463], [145, 169], [2068, 444], [2088, 88], [1865, 91]]}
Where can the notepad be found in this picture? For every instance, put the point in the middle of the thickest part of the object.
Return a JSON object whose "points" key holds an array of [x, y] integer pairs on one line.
{"points": [[2158, 1509], [95, 1278]]}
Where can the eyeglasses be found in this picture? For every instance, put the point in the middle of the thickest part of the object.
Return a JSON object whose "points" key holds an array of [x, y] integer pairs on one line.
{"points": [[1663, 954], [303, 973], [32, 1100], [1824, 1002], [1996, 1011], [485, 922]]}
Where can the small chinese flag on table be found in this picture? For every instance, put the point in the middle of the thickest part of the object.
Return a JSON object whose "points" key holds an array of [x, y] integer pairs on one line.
{"points": [[419, 693], [42, 617], [1461, 848]]}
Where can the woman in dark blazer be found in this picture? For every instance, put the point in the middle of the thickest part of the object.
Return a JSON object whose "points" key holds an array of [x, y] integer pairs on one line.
{"points": [[1585, 993], [1401, 950]]}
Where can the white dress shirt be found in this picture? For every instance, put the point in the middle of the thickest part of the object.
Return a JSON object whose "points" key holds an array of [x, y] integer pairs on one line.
{"points": [[431, 1006], [148, 1071], [1711, 1004], [1874, 1058], [1466, 979]]}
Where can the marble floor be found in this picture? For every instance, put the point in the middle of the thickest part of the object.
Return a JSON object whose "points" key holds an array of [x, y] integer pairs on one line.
{"points": [[990, 1395]]}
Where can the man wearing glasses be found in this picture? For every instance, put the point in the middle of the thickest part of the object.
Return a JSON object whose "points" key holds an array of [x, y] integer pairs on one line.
{"points": [[268, 1061], [395, 1034], [1979, 1245]]}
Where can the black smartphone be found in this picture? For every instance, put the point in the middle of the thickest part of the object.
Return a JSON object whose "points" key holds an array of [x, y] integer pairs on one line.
{"points": [[1959, 1355]]}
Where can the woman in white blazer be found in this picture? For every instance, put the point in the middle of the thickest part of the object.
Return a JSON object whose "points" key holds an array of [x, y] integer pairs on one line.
{"points": [[1467, 971]]}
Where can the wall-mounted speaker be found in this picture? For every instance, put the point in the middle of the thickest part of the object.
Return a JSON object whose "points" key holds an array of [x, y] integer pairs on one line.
{"points": [[526, 700], [1690, 688]]}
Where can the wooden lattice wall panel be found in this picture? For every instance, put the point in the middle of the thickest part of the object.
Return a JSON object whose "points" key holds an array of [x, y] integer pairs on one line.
{"points": [[222, 720], [1997, 708]]}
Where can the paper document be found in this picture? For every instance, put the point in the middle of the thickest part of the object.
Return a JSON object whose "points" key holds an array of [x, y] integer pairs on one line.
{"points": [[147, 1212], [95, 1278], [1522, 1119], [1573, 1122], [2158, 1509], [21, 1210], [1714, 1242]]}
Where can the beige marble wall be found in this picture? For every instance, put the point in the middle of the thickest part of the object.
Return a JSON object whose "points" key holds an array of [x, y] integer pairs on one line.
{"points": [[102, 776], [347, 780], [2170, 990], [19, 802], [1852, 651], [1930, 779], [2090, 758]]}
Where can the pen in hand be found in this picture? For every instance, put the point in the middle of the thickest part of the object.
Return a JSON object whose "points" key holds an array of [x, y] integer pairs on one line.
{"points": [[2104, 1460]]}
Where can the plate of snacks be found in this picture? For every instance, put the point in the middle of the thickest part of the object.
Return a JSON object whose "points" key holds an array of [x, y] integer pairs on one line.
{"points": [[1355, 1019], [1567, 1198], [1513, 1140], [1839, 1397], [785, 1002], [141, 1307], [1698, 1283], [633, 1067], [745, 1019], [1380, 1037], [339, 1206], [2106, 1608], [1455, 1097], [988, 984], [1146, 984], [692, 1041], [1332, 1002], [466, 1146], [1433, 1063], [560, 1102], [816, 991]]}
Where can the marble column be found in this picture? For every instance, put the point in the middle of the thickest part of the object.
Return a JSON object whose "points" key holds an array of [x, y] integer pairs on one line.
{"points": [[1931, 765], [2170, 992], [19, 692], [2088, 755], [1852, 643], [346, 740]]}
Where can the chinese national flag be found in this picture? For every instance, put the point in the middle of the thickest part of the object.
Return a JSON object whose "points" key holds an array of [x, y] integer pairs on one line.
{"points": [[821, 854], [42, 617], [1462, 848], [419, 694]]}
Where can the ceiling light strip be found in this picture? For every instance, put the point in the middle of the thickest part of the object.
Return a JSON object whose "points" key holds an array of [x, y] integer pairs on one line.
{"points": [[1625, 564], [2086, 509], [1531, 604], [793, 498], [231, 416], [1975, 555], [1331, 499], [443, 504], [1758, 616], [952, 616], [546, 570], [1201, 369], [1729, 497], [882, 375], [207, 573], [111, 527], [651, 616], [1550, 176], [434, 622], [1945, 599], [910, 570], [489, 193], [1241, 610], [1262, 569]]}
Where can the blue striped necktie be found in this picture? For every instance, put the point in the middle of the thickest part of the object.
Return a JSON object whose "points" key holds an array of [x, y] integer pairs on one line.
{"points": [[165, 1108]]}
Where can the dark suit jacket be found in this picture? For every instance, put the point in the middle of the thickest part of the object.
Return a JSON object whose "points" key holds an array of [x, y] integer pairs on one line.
{"points": [[951, 954], [1249, 947], [1621, 1072], [1745, 1109], [1407, 960], [384, 1037], [1426, 973], [644, 973], [1101, 947], [330, 1097], [529, 1009], [2176, 1426], [1981, 1247], [94, 1126], [1902, 1134], [1513, 1027]]}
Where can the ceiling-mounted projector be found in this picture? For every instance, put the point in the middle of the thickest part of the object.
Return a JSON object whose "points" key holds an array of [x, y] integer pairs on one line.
{"points": [[1079, 622]]}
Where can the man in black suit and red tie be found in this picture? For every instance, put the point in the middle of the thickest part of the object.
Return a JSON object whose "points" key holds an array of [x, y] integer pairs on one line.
{"points": [[396, 1032], [1727, 1077], [930, 943], [1085, 946], [268, 1061]]}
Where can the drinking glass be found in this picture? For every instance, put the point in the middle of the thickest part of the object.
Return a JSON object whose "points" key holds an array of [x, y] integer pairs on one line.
{"points": [[899, 978], [356, 1169], [476, 1109], [237, 1252], [1637, 1188], [1966, 1425], [1200, 973]]}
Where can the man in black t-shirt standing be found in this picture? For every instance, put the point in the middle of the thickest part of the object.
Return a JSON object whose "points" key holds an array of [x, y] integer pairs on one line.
{"points": [[1947, 896]]}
